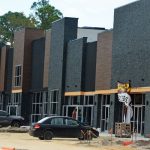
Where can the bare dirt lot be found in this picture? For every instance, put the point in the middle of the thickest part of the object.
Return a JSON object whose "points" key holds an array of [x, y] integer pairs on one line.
{"points": [[23, 141]]}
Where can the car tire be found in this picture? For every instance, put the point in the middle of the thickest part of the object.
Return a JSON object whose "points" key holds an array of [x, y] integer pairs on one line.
{"points": [[48, 135], [41, 138], [15, 124], [81, 138]]}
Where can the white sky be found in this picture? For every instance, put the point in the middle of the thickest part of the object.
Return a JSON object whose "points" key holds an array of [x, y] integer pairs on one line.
{"points": [[94, 13]]}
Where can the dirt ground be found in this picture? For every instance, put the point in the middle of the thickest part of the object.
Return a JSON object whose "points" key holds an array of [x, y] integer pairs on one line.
{"points": [[23, 141]]}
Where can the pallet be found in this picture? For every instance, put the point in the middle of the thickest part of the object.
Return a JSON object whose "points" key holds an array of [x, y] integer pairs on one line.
{"points": [[123, 130]]}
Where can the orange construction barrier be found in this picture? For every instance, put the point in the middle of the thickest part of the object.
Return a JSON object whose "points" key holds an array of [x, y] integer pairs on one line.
{"points": [[6, 148]]}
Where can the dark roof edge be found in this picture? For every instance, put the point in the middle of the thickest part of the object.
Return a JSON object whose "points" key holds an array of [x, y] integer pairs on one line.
{"points": [[95, 28]]}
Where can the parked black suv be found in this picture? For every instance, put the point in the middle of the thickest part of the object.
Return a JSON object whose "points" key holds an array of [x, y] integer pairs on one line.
{"points": [[6, 120]]}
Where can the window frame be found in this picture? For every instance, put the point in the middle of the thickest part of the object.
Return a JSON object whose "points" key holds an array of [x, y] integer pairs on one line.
{"points": [[18, 76]]}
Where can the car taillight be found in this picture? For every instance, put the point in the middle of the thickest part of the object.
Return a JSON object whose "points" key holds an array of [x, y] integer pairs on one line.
{"points": [[37, 126]]}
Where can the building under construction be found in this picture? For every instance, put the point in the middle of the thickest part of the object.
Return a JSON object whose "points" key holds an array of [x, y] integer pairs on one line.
{"points": [[53, 72]]}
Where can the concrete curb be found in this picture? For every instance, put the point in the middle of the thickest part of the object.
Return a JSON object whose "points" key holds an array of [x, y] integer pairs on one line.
{"points": [[22, 129]]}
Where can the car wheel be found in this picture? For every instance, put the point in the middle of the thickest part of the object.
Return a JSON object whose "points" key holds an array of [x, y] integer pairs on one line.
{"points": [[15, 124], [48, 135], [81, 138], [41, 138]]}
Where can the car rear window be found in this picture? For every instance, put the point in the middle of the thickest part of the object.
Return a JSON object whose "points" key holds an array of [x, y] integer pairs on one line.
{"points": [[43, 120], [2, 113]]}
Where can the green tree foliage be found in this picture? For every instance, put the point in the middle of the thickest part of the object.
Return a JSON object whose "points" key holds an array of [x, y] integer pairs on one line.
{"points": [[10, 22], [44, 14]]}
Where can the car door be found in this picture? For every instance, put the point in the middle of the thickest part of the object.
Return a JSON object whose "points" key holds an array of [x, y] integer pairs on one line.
{"points": [[4, 118], [72, 128], [57, 126]]}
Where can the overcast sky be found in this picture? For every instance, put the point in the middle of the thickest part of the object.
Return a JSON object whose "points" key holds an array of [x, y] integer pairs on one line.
{"points": [[94, 13]]}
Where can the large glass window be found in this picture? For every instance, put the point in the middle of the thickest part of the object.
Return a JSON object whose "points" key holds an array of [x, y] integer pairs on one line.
{"points": [[45, 103], [14, 104], [16, 99], [18, 75], [39, 105], [54, 102], [73, 100], [105, 112], [89, 100], [138, 107]]}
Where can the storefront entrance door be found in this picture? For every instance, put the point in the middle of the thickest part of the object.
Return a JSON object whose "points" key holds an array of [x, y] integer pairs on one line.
{"points": [[105, 117], [138, 119], [84, 113]]}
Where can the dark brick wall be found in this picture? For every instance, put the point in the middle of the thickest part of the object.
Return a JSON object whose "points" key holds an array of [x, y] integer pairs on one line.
{"points": [[6, 63], [75, 65], [90, 66], [62, 31], [131, 44], [103, 61], [9, 67], [19, 39], [26, 106], [30, 35], [46, 58], [38, 53], [22, 54], [3, 67]]}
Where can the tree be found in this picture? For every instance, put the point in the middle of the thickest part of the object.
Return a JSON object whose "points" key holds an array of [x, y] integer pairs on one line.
{"points": [[10, 22], [44, 14]]}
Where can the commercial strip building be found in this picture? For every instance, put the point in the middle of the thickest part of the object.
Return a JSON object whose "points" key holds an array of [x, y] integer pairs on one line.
{"points": [[31, 63], [60, 69]]}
